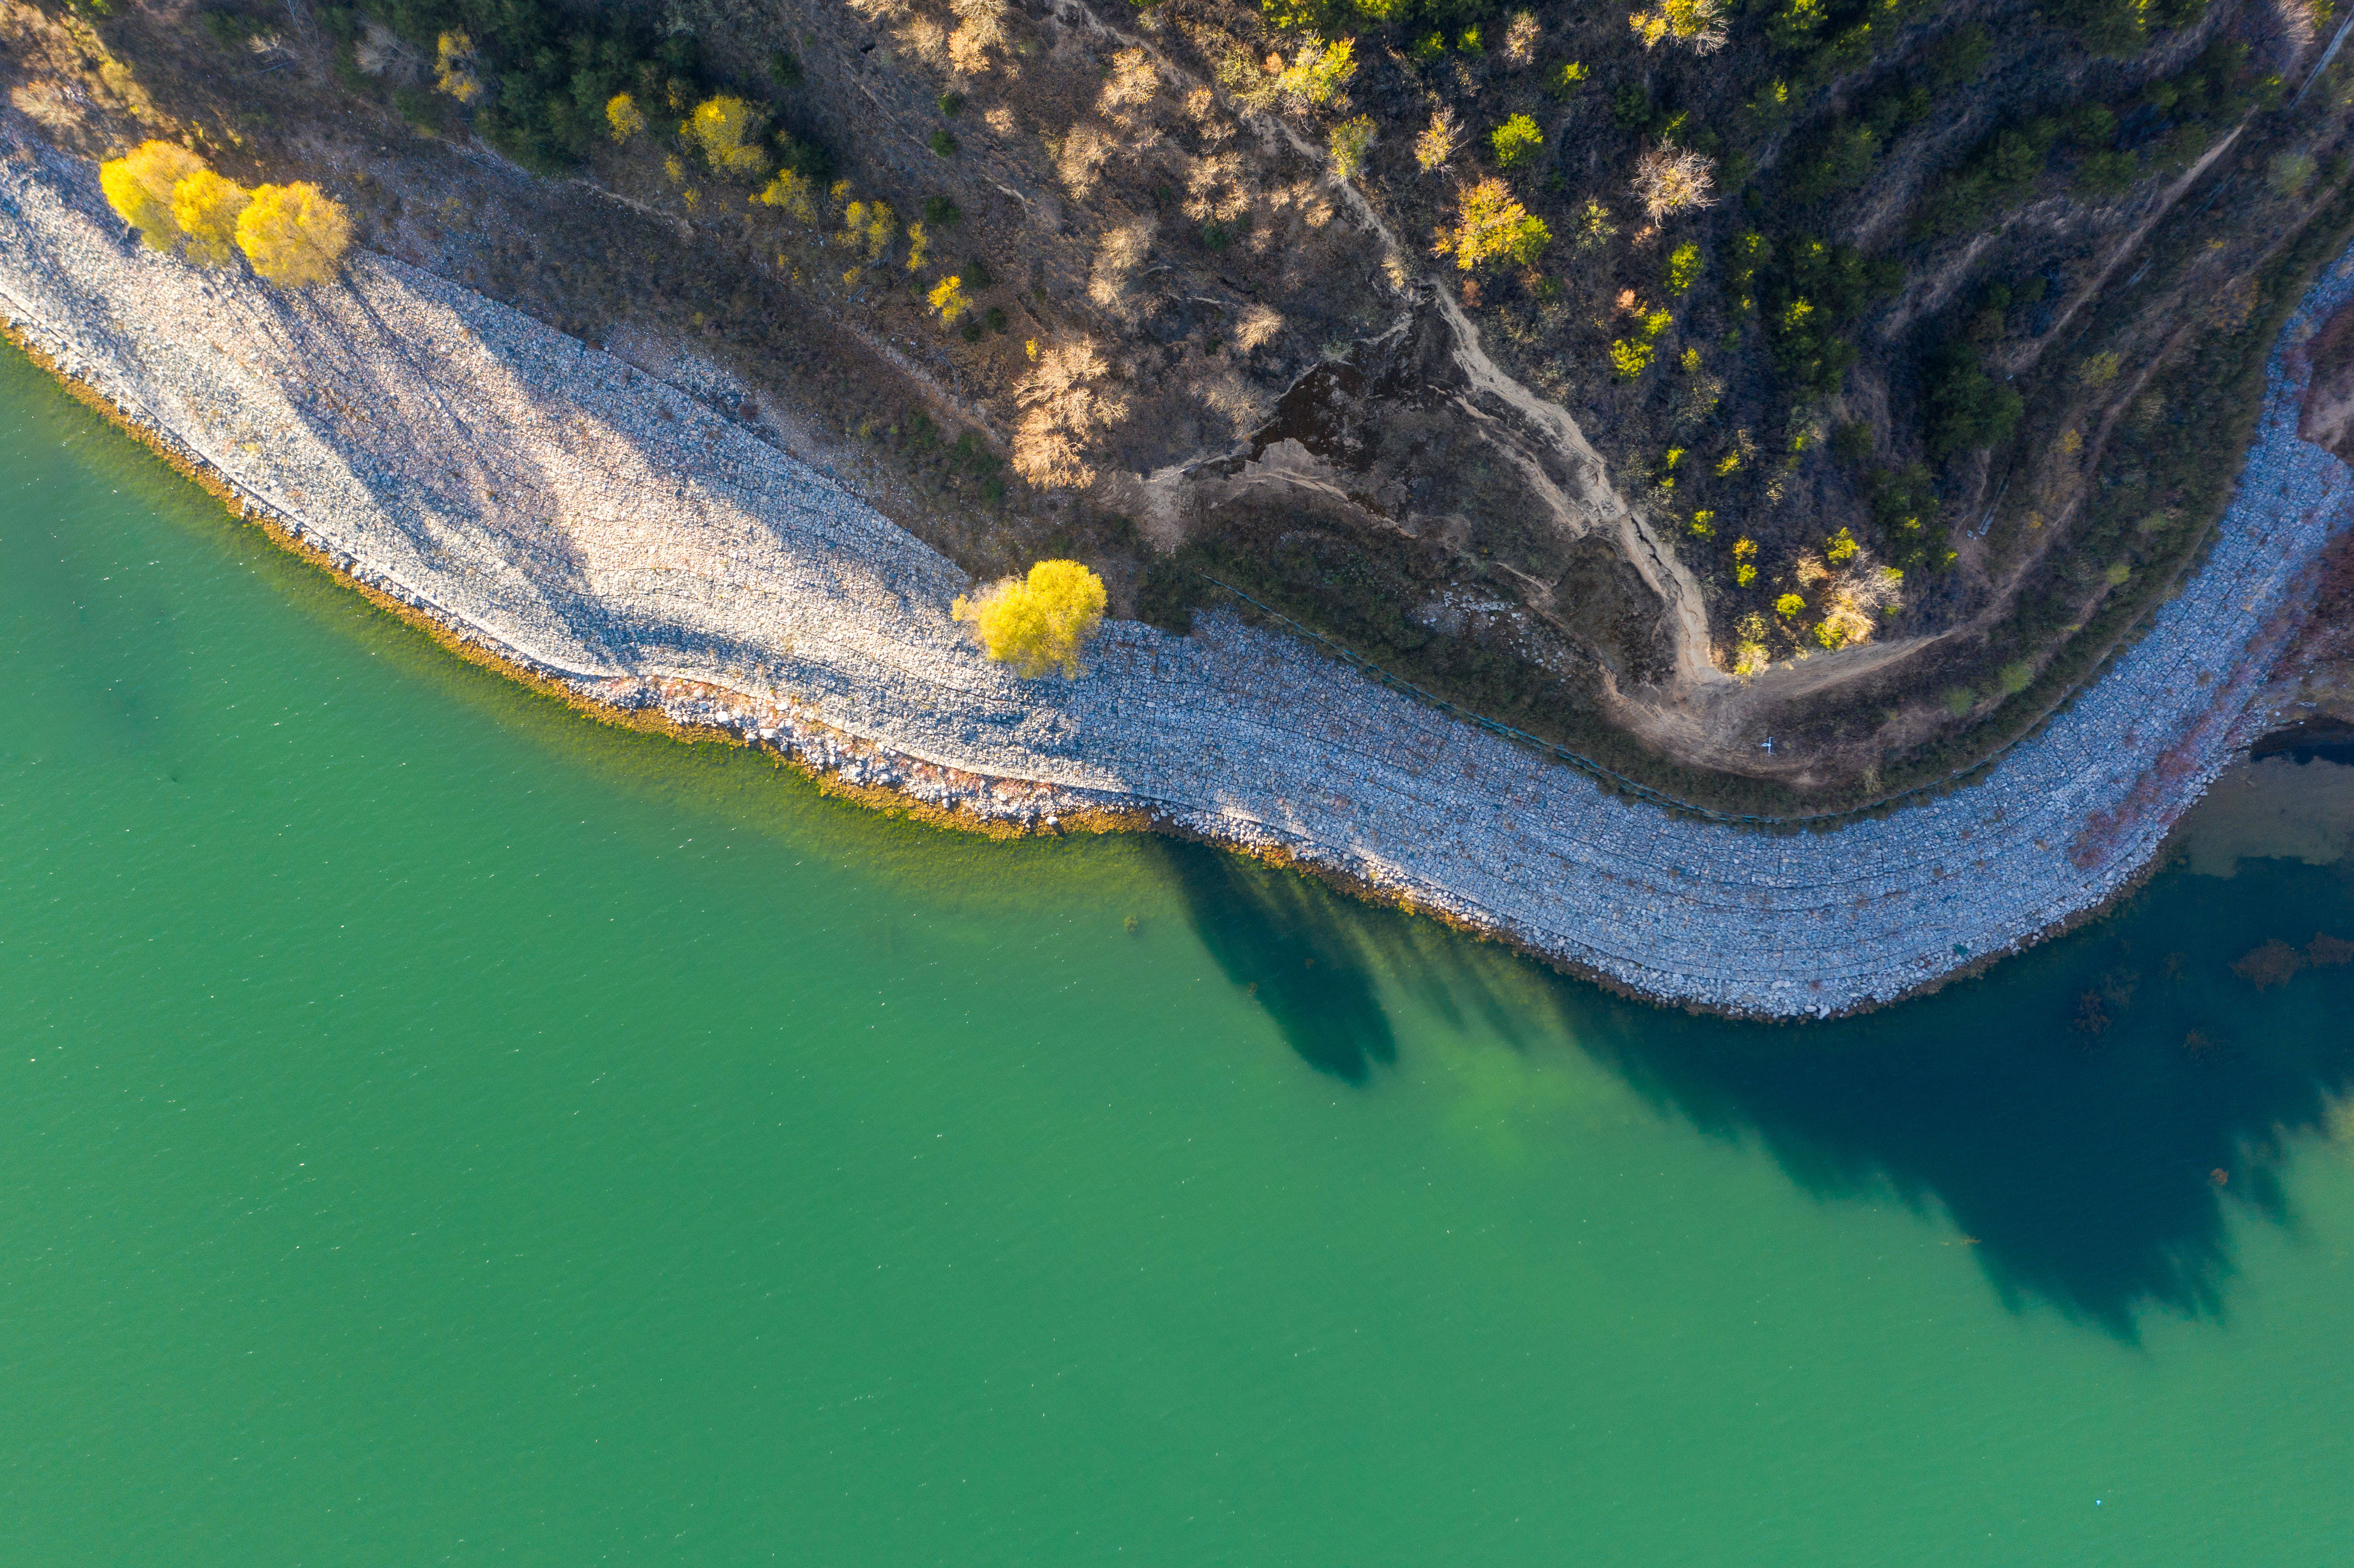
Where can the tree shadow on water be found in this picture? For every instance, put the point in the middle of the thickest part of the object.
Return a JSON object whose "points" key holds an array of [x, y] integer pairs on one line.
{"points": [[1274, 936], [2088, 1115]]}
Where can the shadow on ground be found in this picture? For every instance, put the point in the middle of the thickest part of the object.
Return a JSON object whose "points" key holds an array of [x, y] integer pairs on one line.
{"points": [[2087, 1113]]}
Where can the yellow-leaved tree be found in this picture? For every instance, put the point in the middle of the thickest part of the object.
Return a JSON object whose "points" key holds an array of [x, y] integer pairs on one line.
{"points": [[456, 70], [793, 193], [206, 207], [1489, 222], [1037, 624], [948, 299], [294, 235], [139, 185], [622, 113], [726, 129]]}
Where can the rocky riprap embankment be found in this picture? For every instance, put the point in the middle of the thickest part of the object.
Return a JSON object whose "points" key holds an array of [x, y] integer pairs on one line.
{"points": [[603, 528]]}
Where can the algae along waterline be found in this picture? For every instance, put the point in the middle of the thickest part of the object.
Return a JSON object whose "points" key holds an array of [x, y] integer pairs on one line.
{"points": [[443, 1128]]}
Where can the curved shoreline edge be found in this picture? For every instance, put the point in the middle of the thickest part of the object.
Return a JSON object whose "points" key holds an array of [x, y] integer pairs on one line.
{"points": [[544, 508]]}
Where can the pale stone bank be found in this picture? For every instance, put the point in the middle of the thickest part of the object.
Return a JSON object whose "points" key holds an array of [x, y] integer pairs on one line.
{"points": [[606, 529]]}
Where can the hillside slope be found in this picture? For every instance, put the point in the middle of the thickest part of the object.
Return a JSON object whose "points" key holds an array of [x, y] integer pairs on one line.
{"points": [[1785, 408]]}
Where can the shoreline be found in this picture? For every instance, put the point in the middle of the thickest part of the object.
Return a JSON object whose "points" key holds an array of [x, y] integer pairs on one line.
{"points": [[808, 601]]}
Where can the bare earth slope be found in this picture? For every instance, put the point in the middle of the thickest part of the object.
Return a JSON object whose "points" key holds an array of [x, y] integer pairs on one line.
{"points": [[606, 529]]}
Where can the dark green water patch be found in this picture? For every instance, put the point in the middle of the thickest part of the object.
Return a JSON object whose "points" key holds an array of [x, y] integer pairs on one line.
{"points": [[2086, 1114]]}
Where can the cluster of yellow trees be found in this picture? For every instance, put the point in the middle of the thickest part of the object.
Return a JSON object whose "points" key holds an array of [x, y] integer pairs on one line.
{"points": [[1037, 624], [726, 132], [292, 234]]}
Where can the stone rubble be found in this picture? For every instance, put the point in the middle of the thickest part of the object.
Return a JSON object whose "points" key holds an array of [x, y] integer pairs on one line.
{"points": [[602, 528]]}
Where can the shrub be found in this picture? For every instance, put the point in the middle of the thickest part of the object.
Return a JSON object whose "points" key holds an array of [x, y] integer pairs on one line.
{"points": [[1317, 73], [1958, 57], [294, 235], [547, 70], [1683, 267], [1039, 622], [1437, 141], [1839, 159], [2107, 174], [205, 209], [1595, 230], [871, 226], [1904, 507], [1697, 25], [1794, 26], [2290, 173], [1061, 410], [1669, 180], [1351, 138], [1743, 257], [795, 196], [723, 129], [456, 70], [1515, 141], [1773, 105], [1965, 407], [622, 113], [138, 186], [1491, 222], [1521, 40]]}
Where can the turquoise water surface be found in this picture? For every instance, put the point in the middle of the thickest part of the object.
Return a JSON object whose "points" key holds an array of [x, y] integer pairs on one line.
{"points": [[442, 1130]]}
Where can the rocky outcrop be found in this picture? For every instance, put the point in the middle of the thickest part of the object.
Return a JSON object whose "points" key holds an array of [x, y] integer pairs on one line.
{"points": [[608, 530]]}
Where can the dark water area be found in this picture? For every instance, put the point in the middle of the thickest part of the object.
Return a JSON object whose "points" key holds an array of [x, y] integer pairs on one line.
{"points": [[2091, 1113], [2322, 740], [442, 1128]]}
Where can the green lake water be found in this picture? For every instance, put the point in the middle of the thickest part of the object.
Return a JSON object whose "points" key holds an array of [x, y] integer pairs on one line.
{"points": [[442, 1130]]}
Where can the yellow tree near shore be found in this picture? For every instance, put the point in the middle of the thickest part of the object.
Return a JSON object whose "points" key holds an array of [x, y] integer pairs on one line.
{"points": [[1037, 624], [139, 185], [294, 235], [206, 207]]}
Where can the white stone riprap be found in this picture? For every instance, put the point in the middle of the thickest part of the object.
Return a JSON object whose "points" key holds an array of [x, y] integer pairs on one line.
{"points": [[601, 527]]}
